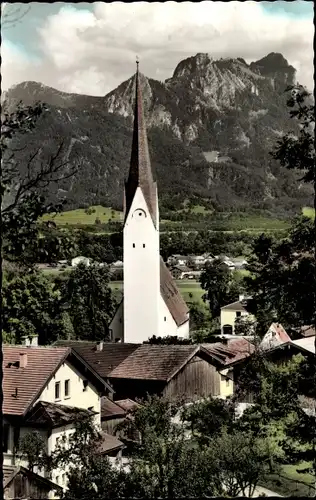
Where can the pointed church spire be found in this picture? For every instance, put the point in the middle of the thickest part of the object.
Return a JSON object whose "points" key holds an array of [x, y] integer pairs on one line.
{"points": [[140, 172]]}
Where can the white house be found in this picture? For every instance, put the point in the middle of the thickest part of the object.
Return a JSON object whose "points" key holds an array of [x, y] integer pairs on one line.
{"points": [[44, 389], [152, 304]]}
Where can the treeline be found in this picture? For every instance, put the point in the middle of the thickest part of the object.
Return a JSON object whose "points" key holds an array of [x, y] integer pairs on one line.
{"points": [[58, 244]]}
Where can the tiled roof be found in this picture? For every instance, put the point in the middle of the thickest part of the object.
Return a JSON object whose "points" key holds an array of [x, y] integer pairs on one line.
{"points": [[171, 295], [235, 306], [227, 354], [108, 443], [308, 331], [140, 173], [42, 362], [127, 404], [103, 362], [154, 362], [52, 414], [111, 409]]}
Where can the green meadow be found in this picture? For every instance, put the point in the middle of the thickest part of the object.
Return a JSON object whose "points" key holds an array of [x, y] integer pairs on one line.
{"points": [[84, 216]]}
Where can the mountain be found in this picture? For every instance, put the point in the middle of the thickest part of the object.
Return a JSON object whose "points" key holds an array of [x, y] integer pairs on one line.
{"points": [[211, 127]]}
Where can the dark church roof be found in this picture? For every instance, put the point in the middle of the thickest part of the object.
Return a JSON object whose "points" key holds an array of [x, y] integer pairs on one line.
{"points": [[171, 295], [140, 172]]}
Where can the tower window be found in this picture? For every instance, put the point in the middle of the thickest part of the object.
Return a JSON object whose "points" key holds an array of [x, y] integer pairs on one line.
{"points": [[133, 245], [165, 319], [143, 245]]}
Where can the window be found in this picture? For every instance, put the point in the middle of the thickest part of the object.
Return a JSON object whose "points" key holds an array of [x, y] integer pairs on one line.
{"points": [[67, 388], [5, 437], [57, 479], [165, 319], [133, 245], [144, 245], [85, 385], [238, 314], [57, 390]]}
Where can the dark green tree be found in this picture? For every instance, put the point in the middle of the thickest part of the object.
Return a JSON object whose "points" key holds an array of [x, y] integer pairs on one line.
{"points": [[89, 300], [219, 285]]}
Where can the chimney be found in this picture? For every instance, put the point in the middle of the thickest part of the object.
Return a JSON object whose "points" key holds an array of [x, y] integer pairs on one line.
{"points": [[30, 340], [100, 346], [241, 298], [23, 360]]}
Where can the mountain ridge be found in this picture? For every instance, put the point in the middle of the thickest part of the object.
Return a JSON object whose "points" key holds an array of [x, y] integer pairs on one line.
{"points": [[207, 106]]}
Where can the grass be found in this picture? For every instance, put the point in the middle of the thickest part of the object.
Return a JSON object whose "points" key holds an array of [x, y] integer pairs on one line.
{"points": [[290, 482], [79, 216], [186, 288], [309, 212]]}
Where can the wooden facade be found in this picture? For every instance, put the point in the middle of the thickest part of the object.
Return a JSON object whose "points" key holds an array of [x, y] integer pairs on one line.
{"points": [[19, 482], [197, 379]]}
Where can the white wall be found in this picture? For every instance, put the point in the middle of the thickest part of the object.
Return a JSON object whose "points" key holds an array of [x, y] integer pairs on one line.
{"points": [[167, 325], [141, 273], [117, 324], [78, 397]]}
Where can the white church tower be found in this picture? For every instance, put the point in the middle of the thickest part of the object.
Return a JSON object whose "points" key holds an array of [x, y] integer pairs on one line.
{"points": [[151, 304]]}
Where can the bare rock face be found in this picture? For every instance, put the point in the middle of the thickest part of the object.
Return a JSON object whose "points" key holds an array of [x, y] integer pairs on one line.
{"points": [[226, 106]]}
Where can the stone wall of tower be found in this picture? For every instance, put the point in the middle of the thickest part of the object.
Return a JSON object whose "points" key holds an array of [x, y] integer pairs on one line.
{"points": [[141, 260]]}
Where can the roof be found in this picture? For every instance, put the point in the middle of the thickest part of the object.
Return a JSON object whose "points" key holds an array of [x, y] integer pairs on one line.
{"points": [[171, 295], [42, 363], [180, 268], [128, 404], [10, 472], [108, 443], [140, 172], [274, 336], [103, 362], [307, 331], [307, 344], [111, 409], [154, 362], [227, 354], [55, 415], [235, 306]]}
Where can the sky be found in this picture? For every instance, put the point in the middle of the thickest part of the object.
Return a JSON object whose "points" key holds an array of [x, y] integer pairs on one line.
{"points": [[90, 48]]}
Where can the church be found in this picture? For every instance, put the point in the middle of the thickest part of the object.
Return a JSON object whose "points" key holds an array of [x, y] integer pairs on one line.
{"points": [[151, 303]]}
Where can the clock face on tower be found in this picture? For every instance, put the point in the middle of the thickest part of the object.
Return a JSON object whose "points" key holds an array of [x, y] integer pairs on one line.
{"points": [[139, 214]]}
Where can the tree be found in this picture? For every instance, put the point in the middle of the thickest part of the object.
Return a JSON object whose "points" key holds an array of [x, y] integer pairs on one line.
{"points": [[279, 273], [89, 299], [32, 447], [219, 284], [299, 152], [22, 203], [31, 304], [11, 15]]}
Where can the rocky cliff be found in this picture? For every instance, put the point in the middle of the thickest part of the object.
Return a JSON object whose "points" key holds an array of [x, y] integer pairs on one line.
{"points": [[211, 127]]}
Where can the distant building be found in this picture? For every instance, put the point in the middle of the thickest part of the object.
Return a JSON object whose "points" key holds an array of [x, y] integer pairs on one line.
{"points": [[80, 260], [178, 260], [231, 312]]}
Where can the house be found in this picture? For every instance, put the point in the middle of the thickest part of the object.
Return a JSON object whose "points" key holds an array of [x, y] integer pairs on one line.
{"points": [[178, 260], [116, 413], [197, 260], [307, 344], [46, 388], [239, 263], [80, 260], [19, 482], [178, 272], [186, 372], [275, 335], [231, 312]]}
